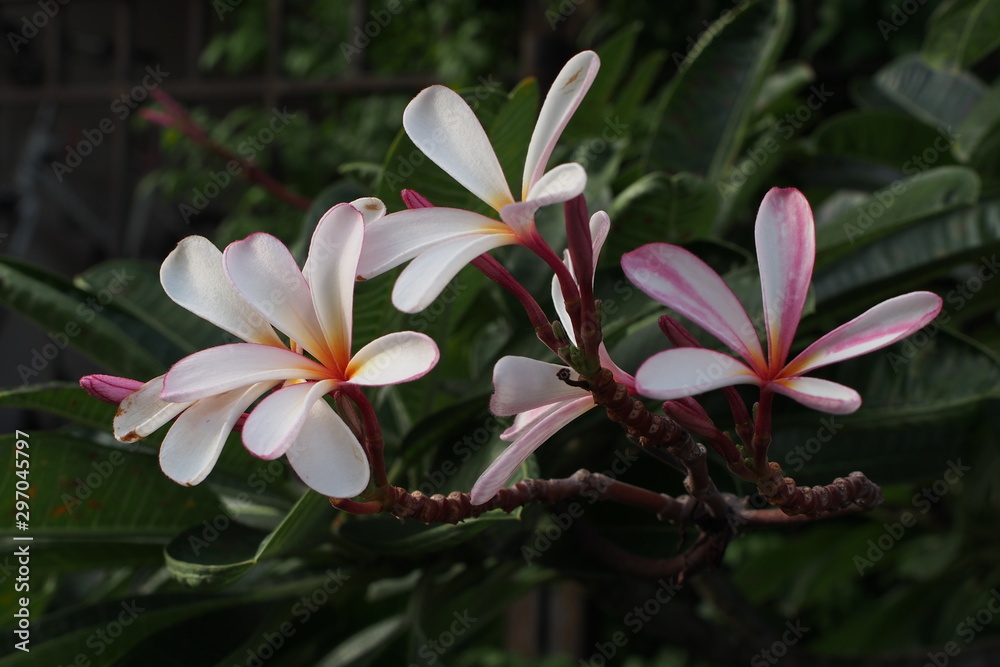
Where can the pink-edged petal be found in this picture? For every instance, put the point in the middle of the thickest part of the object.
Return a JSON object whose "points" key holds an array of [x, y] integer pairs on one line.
{"points": [[560, 303], [401, 236], [276, 421], [394, 358], [676, 278], [561, 184], [884, 324], [527, 420], [109, 388], [143, 411], [193, 276], [194, 443], [426, 277], [521, 384], [688, 371], [562, 100], [444, 128], [786, 249], [327, 456], [616, 372], [370, 208], [265, 273], [227, 367], [818, 394], [600, 227], [330, 272], [497, 474]]}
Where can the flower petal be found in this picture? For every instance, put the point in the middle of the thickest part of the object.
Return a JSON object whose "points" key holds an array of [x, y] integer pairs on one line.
{"points": [[676, 278], [227, 367], [109, 388], [561, 184], [497, 474], [616, 372], [818, 394], [394, 358], [882, 325], [521, 384], [275, 423], [562, 100], [786, 249], [327, 456], [688, 371], [401, 236], [370, 208], [523, 421], [194, 443], [330, 272], [193, 276], [143, 411], [600, 227], [424, 279], [446, 130], [265, 273]]}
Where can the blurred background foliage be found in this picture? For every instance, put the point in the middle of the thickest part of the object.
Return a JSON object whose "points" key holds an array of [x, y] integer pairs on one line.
{"points": [[886, 114]]}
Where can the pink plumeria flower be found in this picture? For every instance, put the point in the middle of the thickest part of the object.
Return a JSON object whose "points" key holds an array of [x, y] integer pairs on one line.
{"points": [[441, 240], [531, 390], [786, 249], [253, 285]]}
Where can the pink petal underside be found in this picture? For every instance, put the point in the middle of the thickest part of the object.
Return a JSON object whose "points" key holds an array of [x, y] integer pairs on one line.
{"points": [[276, 421], [497, 474], [370, 208], [426, 277], [562, 100], [616, 372], [143, 411], [327, 456], [194, 443], [227, 367], [559, 185], [882, 325], [109, 388], [688, 371], [193, 276], [392, 359], [445, 129], [330, 272], [521, 384], [786, 249], [265, 273], [401, 236], [818, 394], [600, 227], [677, 279], [527, 420]]}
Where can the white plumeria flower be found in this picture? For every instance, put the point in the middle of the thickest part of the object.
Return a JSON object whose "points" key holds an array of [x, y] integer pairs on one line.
{"points": [[253, 285], [440, 240], [531, 390], [786, 248]]}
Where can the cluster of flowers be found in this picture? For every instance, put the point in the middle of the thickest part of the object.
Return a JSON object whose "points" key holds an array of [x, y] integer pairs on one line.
{"points": [[255, 287]]}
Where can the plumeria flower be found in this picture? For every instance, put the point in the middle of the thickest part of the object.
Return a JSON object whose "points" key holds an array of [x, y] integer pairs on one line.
{"points": [[533, 391], [440, 241], [253, 285], [786, 249]]}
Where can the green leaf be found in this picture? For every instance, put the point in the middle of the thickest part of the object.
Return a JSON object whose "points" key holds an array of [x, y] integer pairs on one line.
{"points": [[65, 399], [74, 317], [937, 97], [336, 193], [510, 131], [893, 208], [363, 646], [982, 122], [636, 89], [881, 137], [710, 102], [384, 535], [85, 491], [962, 33]]}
